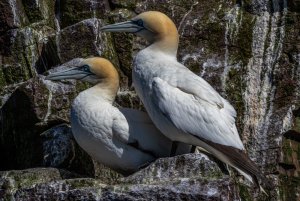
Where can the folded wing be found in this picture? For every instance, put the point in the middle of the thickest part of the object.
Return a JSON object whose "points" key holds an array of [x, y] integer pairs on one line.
{"points": [[194, 107]]}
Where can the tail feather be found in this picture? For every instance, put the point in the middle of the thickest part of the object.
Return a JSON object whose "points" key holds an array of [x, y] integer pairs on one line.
{"points": [[239, 160]]}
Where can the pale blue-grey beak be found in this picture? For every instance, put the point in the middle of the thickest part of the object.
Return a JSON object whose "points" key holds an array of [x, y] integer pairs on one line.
{"points": [[77, 73], [128, 26]]}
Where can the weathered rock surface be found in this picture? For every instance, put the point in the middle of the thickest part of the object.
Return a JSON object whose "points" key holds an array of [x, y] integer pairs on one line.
{"points": [[70, 12], [12, 15], [11, 181], [192, 177], [84, 39], [32, 108], [248, 50]]}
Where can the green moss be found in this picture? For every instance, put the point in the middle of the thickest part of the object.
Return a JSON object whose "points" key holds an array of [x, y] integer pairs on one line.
{"points": [[126, 188], [15, 73], [2, 79], [235, 86], [105, 174], [30, 177], [29, 180], [216, 34], [80, 183], [287, 148], [80, 86], [297, 124], [244, 193], [73, 11], [243, 40], [128, 4], [290, 157], [32, 11], [18, 64], [289, 186], [109, 52], [71, 14], [49, 10]]}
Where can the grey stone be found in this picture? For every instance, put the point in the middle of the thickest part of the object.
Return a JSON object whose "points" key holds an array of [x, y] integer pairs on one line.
{"points": [[191, 185], [70, 12], [12, 15], [11, 181], [32, 108], [84, 39], [26, 52], [248, 50]]}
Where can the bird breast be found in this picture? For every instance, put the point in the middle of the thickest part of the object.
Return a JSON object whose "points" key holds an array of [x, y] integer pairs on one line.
{"points": [[90, 120]]}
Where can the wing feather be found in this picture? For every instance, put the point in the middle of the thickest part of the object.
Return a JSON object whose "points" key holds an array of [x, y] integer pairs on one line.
{"points": [[196, 109], [136, 128]]}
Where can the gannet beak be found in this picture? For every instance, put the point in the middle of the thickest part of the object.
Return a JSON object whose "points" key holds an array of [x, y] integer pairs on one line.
{"points": [[128, 26], [77, 73]]}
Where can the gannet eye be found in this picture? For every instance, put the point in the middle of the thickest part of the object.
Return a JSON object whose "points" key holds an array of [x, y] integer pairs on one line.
{"points": [[139, 22], [85, 68]]}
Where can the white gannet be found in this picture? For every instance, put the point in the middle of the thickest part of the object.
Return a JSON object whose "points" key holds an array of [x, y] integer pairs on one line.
{"points": [[181, 104], [123, 139]]}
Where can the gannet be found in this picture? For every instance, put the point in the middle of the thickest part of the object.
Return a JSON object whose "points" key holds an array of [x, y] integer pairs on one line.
{"points": [[182, 105], [123, 139]]}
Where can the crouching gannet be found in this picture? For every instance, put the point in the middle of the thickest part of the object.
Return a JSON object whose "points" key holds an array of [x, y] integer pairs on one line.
{"points": [[122, 139], [181, 104]]}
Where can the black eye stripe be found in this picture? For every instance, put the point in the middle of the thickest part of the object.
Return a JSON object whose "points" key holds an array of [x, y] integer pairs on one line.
{"points": [[138, 22], [85, 68]]}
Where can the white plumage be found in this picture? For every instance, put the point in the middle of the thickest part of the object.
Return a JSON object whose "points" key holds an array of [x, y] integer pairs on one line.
{"points": [[109, 134], [181, 104], [123, 139], [177, 97]]}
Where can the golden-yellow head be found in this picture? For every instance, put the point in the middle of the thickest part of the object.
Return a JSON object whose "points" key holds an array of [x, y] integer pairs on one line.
{"points": [[154, 26], [93, 70], [157, 23]]}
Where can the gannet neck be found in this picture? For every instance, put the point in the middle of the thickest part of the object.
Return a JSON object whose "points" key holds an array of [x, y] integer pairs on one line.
{"points": [[166, 44], [107, 89], [108, 75], [166, 39]]}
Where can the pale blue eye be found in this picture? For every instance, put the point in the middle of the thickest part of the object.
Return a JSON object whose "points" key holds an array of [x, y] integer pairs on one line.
{"points": [[86, 68]]}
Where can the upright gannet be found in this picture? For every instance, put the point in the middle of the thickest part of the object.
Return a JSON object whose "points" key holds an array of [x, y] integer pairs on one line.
{"points": [[181, 104], [123, 139]]}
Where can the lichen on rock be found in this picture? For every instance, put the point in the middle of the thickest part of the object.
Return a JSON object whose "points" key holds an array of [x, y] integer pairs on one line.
{"points": [[247, 50]]}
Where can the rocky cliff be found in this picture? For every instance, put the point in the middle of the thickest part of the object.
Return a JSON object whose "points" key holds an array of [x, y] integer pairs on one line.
{"points": [[249, 50]]}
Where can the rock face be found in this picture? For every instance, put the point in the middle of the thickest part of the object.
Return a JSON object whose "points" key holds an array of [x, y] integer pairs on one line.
{"points": [[247, 49], [156, 182]]}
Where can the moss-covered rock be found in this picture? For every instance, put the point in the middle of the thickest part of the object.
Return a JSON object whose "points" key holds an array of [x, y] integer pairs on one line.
{"points": [[248, 50], [33, 107], [186, 180], [123, 42], [42, 12], [124, 4], [177, 168], [72, 11], [25, 53], [11, 181], [128, 98], [83, 40], [12, 16]]}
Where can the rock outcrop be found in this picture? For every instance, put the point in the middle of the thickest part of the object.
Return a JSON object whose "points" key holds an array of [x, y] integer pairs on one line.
{"points": [[247, 49], [157, 182]]}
